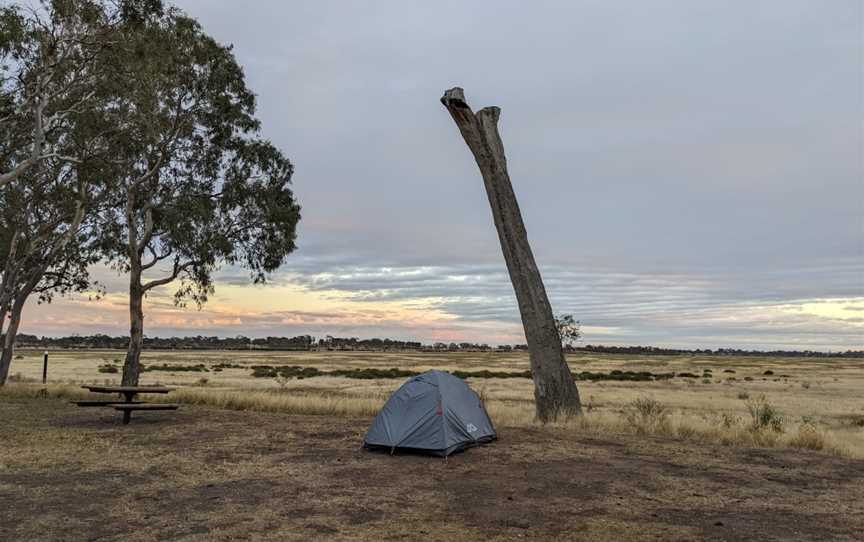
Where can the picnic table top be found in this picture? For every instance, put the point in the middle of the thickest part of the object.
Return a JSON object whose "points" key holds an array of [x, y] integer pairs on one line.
{"points": [[128, 389]]}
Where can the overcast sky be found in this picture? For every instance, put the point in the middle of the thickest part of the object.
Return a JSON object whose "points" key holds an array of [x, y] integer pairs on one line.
{"points": [[690, 173]]}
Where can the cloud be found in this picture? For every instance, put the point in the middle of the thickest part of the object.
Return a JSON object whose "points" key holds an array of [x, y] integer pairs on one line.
{"points": [[689, 172]]}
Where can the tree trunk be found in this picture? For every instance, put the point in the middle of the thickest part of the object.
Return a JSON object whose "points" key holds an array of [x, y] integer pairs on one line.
{"points": [[132, 364], [5, 307], [555, 392], [9, 338]]}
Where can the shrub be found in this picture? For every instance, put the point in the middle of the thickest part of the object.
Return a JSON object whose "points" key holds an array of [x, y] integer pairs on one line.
{"points": [[108, 368], [686, 431], [19, 356], [769, 372], [748, 378], [729, 371], [729, 420], [686, 375], [805, 385], [646, 415], [808, 437], [706, 380], [743, 395], [200, 368], [221, 366], [764, 415], [263, 371]]}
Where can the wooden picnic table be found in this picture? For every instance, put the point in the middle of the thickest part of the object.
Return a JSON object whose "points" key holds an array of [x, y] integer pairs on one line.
{"points": [[128, 404], [129, 392]]}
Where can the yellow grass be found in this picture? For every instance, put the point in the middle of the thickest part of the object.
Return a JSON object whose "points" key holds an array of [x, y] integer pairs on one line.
{"points": [[819, 400]]}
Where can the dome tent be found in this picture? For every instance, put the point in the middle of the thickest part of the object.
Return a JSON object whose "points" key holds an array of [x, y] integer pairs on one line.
{"points": [[434, 412]]}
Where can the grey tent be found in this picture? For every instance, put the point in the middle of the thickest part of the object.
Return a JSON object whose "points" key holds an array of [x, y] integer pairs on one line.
{"points": [[435, 413]]}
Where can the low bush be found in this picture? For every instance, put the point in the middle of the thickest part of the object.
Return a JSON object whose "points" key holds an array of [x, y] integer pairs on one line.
{"points": [[764, 415], [294, 371], [371, 374], [494, 374], [729, 420], [646, 415], [200, 368], [264, 371], [221, 366], [808, 437], [108, 368]]}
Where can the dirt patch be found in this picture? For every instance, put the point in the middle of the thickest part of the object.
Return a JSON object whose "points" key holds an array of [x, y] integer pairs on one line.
{"points": [[203, 474]]}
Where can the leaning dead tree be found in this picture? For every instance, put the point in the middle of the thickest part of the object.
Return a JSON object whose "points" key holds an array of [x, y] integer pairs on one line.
{"points": [[555, 392]]}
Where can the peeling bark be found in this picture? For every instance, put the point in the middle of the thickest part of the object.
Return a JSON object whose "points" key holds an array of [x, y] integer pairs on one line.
{"points": [[555, 391]]}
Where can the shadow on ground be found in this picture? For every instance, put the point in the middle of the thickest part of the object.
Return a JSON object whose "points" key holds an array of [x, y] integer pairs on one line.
{"points": [[202, 474]]}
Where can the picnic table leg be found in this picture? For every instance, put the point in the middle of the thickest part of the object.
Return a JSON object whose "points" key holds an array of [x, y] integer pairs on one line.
{"points": [[127, 414]]}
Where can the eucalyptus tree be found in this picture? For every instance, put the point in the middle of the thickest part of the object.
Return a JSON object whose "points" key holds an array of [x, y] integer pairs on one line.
{"points": [[197, 187], [569, 329], [50, 71], [46, 246], [54, 118]]}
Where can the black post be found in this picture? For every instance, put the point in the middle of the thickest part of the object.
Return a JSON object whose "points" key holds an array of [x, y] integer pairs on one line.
{"points": [[45, 368]]}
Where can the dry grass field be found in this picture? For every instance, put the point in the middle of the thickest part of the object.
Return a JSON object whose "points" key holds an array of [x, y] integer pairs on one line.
{"points": [[202, 473], [818, 401], [250, 458]]}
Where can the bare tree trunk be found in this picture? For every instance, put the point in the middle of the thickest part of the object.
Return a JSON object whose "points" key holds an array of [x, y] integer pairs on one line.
{"points": [[132, 364], [555, 392], [9, 337], [5, 307]]}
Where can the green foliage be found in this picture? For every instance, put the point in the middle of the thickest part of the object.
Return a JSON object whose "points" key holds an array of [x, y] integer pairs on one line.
{"points": [[492, 374], [294, 371], [198, 188], [626, 376], [199, 368], [226, 365], [569, 329]]}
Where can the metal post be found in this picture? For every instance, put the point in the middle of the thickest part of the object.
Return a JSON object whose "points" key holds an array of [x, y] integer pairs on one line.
{"points": [[45, 368]]}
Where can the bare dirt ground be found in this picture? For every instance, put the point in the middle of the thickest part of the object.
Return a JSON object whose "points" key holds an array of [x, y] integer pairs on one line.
{"points": [[68, 473]]}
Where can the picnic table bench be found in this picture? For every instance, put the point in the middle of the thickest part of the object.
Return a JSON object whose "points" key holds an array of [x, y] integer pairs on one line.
{"points": [[128, 404]]}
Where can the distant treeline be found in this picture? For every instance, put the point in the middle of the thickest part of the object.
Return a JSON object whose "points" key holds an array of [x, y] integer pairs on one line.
{"points": [[308, 342]]}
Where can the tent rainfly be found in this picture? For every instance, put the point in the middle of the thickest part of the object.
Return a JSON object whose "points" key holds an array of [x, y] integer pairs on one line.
{"points": [[435, 413]]}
